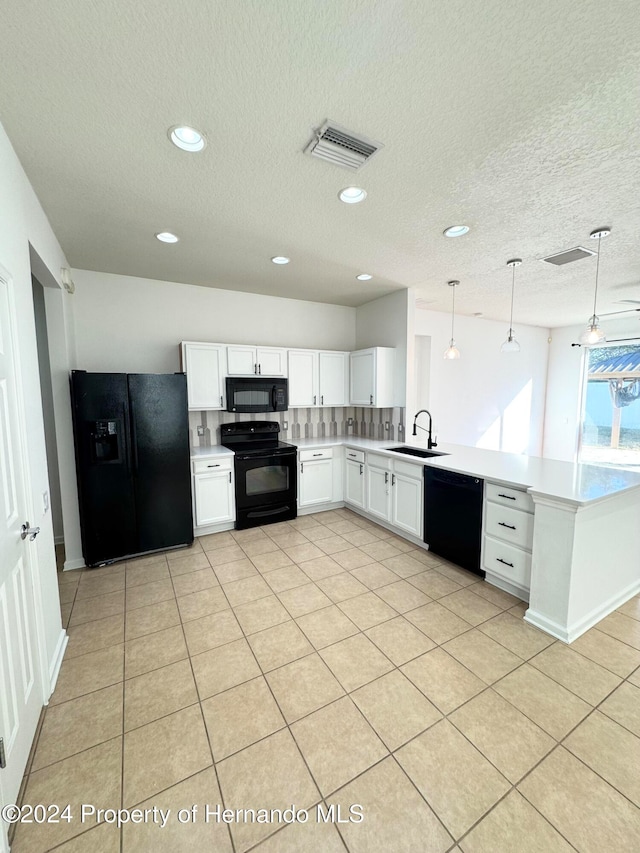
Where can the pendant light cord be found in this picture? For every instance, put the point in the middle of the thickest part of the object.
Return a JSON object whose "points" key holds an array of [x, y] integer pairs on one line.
{"points": [[513, 284], [595, 295], [453, 309]]}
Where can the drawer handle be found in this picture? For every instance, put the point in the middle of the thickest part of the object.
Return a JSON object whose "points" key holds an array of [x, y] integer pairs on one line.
{"points": [[500, 560], [317, 454], [217, 465], [510, 526], [508, 497], [352, 455]]}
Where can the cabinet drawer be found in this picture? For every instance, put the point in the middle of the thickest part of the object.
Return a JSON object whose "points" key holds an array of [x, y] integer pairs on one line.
{"points": [[317, 453], [508, 562], [508, 496], [409, 469], [378, 461], [514, 525], [356, 455], [213, 463]]}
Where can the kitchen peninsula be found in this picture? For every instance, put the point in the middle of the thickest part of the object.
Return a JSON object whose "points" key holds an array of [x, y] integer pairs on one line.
{"points": [[582, 557], [585, 554]]}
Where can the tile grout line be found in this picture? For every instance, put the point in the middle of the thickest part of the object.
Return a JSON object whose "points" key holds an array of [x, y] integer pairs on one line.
{"points": [[397, 667]]}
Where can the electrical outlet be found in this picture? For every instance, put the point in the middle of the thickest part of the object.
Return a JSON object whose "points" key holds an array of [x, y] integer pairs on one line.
{"points": [[201, 429], [45, 501], [387, 426], [285, 425], [349, 421]]}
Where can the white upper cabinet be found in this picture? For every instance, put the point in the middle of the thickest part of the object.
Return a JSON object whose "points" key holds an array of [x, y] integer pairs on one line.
{"points": [[371, 377], [253, 361], [303, 378], [318, 378], [333, 378], [206, 368]]}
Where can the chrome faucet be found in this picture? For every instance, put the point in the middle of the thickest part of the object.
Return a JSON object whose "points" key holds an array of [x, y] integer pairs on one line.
{"points": [[430, 442]]}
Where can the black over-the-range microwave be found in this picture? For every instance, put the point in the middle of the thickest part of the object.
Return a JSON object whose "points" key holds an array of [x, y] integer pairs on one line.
{"points": [[257, 394]]}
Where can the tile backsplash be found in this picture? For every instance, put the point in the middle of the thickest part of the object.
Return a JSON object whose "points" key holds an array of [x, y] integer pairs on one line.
{"points": [[307, 423]]}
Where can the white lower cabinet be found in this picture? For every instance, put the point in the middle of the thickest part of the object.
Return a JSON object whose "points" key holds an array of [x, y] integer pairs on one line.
{"points": [[508, 537], [315, 477], [213, 492], [394, 493], [406, 494], [354, 491], [378, 480]]}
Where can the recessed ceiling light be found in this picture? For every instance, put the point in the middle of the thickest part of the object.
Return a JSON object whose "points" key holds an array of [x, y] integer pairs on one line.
{"points": [[352, 195], [456, 231], [187, 138], [166, 237], [364, 276], [280, 259]]}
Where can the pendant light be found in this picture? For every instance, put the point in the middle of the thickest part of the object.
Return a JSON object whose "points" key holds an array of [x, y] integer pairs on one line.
{"points": [[452, 350], [511, 344], [593, 334]]}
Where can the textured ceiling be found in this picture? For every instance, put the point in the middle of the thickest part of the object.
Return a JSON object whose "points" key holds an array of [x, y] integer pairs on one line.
{"points": [[518, 118]]}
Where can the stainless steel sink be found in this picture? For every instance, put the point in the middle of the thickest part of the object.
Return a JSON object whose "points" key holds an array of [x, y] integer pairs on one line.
{"points": [[417, 451]]}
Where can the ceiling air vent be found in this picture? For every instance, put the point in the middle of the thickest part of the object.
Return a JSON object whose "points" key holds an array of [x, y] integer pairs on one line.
{"points": [[569, 256], [342, 147]]}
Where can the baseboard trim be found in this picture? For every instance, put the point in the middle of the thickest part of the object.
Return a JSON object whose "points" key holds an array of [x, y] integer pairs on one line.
{"points": [[520, 592], [571, 632], [56, 663], [312, 510], [214, 528], [69, 565]]}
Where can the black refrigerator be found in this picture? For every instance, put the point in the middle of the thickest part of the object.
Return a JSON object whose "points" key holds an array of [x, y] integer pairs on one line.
{"points": [[132, 458]]}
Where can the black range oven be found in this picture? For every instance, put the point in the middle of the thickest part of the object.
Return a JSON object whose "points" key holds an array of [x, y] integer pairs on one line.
{"points": [[266, 473]]}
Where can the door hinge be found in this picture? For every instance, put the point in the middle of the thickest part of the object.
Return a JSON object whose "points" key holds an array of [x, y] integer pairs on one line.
{"points": [[3, 760]]}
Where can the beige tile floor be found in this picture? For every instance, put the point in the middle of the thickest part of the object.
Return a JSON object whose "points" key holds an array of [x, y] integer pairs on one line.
{"points": [[325, 661]]}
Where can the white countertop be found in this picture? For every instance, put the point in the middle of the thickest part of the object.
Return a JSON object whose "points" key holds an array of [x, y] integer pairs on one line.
{"points": [[566, 481], [210, 452]]}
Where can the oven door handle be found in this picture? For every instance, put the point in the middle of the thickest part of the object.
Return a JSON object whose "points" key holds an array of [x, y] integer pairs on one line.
{"points": [[268, 454], [273, 398]]}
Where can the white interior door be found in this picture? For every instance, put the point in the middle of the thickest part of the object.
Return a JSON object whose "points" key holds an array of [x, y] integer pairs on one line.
{"points": [[20, 684]]}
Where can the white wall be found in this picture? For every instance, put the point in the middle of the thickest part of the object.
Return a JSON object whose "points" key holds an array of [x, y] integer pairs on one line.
{"points": [[46, 387], [486, 398], [565, 382], [131, 324], [384, 323], [23, 222]]}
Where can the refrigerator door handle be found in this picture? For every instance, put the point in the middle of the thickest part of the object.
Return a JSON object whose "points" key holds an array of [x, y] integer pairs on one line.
{"points": [[134, 437], [126, 439]]}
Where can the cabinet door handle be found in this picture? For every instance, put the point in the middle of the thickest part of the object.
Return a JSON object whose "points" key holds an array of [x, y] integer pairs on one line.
{"points": [[314, 399], [217, 465], [302, 467], [255, 368], [361, 468], [510, 526], [393, 479], [317, 454], [229, 476], [386, 478], [500, 560], [371, 399], [508, 497], [260, 368], [221, 403], [322, 399]]}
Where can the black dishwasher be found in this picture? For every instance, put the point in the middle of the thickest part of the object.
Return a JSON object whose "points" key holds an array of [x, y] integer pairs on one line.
{"points": [[453, 517]]}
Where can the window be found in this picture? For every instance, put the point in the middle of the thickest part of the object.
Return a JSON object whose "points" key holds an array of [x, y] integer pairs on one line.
{"points": [[610, 433]]}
